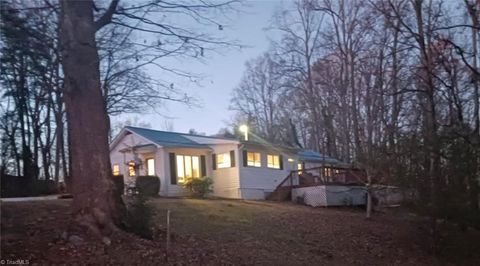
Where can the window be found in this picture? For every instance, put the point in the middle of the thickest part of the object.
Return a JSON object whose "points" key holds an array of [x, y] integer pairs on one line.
{"points": [[327, 171], [180, 169], [273, 161], [300, 168], [116, 169], [150, 166], [223, 160], [187, 167], [195, 166], [131, 169], [253, 159]]}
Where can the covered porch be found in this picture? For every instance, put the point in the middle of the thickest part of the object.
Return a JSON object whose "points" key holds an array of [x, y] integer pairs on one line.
{"points": [[173, 165]]}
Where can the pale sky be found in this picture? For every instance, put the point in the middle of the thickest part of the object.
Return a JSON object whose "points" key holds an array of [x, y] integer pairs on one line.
{"points": [[223, 73]]}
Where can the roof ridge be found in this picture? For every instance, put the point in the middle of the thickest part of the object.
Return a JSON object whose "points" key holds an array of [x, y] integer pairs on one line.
{"points": [[180, 133]]}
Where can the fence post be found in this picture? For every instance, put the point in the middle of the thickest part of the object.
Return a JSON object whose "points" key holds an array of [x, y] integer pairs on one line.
{"points": [[168, 235]]}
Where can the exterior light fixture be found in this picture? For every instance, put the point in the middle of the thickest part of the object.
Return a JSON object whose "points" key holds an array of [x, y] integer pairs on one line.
{"points": [[290, 160], [244, 129]]}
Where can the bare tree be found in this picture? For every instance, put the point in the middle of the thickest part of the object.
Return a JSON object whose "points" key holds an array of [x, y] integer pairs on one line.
{"points": [[96, 205], [296, 52], [395, 92], [256, 98]]}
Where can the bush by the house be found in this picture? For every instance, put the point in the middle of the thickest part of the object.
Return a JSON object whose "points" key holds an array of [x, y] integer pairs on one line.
{"points": [[148, 185], [119, 184], [199, 187], [139, 219]]}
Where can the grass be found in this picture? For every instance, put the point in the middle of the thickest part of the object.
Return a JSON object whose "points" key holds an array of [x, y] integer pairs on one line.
{"points": [[224, 220], [212, 232], [293, 233]]}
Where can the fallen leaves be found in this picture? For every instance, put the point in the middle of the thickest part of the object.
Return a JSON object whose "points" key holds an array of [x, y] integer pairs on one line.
{"points": [[283, 235]]}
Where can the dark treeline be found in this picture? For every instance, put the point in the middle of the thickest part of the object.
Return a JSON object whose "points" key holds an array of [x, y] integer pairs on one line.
{"points": [[390, 86], [32, 111]]}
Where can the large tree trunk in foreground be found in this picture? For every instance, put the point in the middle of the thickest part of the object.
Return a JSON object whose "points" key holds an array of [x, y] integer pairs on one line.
{"points": [[96, 205]]}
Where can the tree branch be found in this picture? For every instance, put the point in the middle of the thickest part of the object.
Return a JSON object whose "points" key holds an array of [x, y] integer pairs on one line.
{"points": [[107, 16]]}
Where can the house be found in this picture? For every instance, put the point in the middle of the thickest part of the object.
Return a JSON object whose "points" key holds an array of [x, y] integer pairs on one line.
{"points": [[240, 169]]}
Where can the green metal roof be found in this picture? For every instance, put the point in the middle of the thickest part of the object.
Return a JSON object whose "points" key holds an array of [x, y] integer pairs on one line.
{"points": [[175, 139], [313, 156], [166, 139]]}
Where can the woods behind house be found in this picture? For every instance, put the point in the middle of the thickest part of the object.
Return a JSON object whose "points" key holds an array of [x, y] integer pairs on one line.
{"points": [[388, 86]]}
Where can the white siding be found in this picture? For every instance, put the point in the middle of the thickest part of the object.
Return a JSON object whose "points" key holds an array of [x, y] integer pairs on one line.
{"points": [[177, 190], [225, 180], [117, 157], [160, 170], [257, 182]]}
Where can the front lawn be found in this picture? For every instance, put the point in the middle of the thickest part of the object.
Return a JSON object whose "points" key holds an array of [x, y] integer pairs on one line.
{"points": [[213, 232]]}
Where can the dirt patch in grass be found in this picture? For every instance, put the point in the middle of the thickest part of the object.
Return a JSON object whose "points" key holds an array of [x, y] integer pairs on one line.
{"points": [[222, 232]]}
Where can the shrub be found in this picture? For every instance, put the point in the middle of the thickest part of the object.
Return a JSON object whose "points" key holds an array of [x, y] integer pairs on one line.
{"points": [[148, 185], [119, 184], [139, 218], [198, 187]]}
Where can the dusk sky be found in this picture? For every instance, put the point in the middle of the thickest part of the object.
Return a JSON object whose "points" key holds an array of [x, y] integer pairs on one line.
{"points": [[221, 74]]}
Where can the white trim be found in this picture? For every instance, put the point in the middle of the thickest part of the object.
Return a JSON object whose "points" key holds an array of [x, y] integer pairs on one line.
{"points": [[121, 135]]}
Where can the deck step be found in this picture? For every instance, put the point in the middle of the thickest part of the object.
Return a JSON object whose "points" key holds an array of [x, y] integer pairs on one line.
{"points": [[280, 194]]}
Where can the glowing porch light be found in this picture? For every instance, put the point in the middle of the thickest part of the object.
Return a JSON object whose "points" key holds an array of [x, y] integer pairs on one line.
{"points": [[244, 129]]}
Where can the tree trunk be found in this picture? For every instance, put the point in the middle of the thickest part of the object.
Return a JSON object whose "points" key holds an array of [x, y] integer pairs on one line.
{"points": [[474, 187], [96, 205], [427, 86]]}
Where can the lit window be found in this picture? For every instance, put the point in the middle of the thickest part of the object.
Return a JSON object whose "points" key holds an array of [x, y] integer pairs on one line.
{"points": [[299, 168], [253, 159], [116, 169], [187, 167], [223, 160], [180, 169], [273, 161], [131, 169], [150, 166], [327, 171], [195, 166]]}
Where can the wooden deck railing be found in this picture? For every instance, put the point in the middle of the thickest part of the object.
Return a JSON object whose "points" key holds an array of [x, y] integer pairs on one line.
{"points": [[323, 175]]}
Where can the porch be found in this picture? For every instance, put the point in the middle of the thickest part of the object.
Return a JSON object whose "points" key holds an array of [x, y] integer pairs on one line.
{"points": [[172, 165]]}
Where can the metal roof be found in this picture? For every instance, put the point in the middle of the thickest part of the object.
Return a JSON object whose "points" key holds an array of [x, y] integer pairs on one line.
{"points": [[175, 139], [167, 139], [313, 156]]}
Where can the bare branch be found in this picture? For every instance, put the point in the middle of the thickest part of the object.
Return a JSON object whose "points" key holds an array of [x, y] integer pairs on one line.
{"points": [[106, 18]]}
